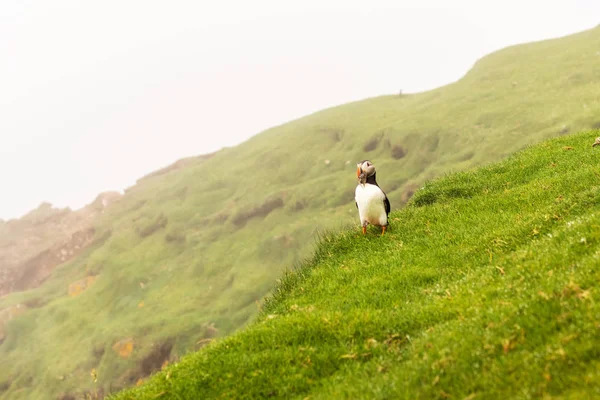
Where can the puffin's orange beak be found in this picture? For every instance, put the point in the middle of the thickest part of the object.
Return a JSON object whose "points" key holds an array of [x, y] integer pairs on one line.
{"points": [[358, 172]]}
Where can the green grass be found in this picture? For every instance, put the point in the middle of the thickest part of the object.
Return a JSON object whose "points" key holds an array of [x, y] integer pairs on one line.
{"points": [[486, 287], [201, 245]]}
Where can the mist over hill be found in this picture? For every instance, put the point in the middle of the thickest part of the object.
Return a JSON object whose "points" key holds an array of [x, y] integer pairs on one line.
{"points": [[188, 253]]}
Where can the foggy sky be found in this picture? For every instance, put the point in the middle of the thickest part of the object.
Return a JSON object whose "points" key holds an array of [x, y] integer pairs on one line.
{"points": [[94, 95]]}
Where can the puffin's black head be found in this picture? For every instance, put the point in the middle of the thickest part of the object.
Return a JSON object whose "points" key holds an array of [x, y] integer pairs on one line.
{"points": [[364, 170]]}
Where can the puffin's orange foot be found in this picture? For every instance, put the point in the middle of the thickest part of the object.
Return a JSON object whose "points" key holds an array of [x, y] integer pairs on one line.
{"points": [[383, 228], [364, 230]]}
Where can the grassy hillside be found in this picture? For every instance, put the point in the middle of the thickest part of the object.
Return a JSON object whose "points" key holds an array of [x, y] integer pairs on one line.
{"points": [[187, 254], [487, 287]]}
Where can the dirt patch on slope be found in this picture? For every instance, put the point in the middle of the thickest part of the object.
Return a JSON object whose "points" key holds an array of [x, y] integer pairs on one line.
{"points": [[262, 210]]}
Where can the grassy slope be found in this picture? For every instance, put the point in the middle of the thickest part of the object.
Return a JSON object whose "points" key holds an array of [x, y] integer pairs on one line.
{"points": [[209, 262], [487, 287]]}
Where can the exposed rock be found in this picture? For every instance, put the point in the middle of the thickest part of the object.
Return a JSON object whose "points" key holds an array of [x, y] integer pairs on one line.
{"points": [[32, 246], [103, 200], [36, 270]]}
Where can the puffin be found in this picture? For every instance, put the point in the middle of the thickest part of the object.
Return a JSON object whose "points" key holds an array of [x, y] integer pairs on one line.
{"points": [[372, 203]]}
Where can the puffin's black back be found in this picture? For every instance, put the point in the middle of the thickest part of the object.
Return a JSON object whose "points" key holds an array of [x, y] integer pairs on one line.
{"points": [[386, 202]]}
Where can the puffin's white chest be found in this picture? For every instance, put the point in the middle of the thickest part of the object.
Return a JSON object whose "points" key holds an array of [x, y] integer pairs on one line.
{"points": [[371, 208]]}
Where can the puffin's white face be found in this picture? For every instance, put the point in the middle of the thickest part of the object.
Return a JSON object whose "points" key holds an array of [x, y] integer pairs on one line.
{"points": [[364, 170]]}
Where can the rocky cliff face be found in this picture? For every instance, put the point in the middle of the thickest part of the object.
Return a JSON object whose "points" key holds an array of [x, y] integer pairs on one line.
{"points": [[33, 246]]}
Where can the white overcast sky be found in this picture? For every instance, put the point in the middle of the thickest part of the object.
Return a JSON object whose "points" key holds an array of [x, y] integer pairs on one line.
{"points": [[95, 94]]}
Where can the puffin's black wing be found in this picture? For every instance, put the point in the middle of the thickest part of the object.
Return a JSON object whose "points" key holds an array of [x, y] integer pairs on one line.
{"points": [[386, 204]]}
